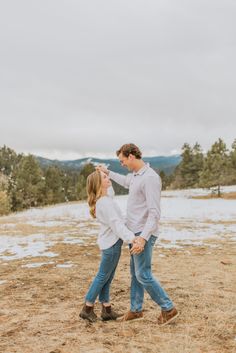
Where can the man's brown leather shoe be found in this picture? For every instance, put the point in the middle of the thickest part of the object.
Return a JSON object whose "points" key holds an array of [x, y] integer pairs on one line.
{"points": [[167, 316], [131, 316]]}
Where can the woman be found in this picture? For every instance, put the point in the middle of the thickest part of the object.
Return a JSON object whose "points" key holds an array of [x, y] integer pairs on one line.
{"points": [[110, 239]]}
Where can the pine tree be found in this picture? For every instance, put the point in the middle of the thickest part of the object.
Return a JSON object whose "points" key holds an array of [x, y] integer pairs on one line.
{"points": [[5, 205], [184, 168], [164, 179], [9, 160], [3, 182], [233, 154], [232, 166], [54, 190], [81, 186], [216, 166], [27, 188], [187, 173], [197, 164], [69, 183]]}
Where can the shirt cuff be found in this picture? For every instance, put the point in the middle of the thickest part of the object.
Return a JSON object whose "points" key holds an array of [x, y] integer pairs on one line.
{"points": [[145, 236]]}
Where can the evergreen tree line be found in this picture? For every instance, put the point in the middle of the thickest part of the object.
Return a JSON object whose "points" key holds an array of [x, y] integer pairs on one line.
{"points": [[213, 169], [24, 183]]}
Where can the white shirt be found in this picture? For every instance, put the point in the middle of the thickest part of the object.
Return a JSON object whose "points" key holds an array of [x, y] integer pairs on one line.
{"points": [[113, 226], [143, 206]]}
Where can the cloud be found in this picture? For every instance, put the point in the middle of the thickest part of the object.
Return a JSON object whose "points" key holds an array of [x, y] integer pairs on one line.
{"points": [[83, 77]]}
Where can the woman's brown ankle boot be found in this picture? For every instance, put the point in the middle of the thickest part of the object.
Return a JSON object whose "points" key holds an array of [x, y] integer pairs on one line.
{"points": [[87, 313], [108, 313]]}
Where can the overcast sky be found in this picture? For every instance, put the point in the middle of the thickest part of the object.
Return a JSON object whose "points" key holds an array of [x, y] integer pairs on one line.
{"points": [[80, 78]]}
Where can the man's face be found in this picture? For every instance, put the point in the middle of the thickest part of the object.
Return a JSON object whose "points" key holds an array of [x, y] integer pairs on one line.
{"points": [[126, 162]]}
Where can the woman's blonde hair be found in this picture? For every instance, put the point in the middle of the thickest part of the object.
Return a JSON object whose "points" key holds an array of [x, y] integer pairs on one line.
{"points": [[94, 190]]}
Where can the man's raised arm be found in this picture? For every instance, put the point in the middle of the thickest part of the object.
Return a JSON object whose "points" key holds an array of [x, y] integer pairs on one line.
{"points": [[123, 180]]}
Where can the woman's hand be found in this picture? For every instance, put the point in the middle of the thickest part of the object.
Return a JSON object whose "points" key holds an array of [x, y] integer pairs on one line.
{"points": [[138, 246]]}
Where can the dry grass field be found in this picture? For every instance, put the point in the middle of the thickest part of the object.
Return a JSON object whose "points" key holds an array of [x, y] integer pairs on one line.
{"points": [[39, 307]]}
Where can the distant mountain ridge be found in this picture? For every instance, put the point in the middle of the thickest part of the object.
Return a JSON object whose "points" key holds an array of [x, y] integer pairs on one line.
{"points": [[164, 163]]}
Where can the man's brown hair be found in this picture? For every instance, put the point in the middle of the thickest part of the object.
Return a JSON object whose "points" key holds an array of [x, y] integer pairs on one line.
{"points": [[129, 148]]}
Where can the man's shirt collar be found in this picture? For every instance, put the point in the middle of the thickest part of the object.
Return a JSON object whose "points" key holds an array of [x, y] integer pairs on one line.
{"points": [[142, 170]]}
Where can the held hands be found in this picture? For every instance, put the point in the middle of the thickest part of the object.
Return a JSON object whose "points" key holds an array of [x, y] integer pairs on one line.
{"points": [[137, 245], [102, 168]]}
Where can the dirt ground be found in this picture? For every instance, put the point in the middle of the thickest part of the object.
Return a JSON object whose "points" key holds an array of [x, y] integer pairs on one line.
{"points": [[39, 307]]}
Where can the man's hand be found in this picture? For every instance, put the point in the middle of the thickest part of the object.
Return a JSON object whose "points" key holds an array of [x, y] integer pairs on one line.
{"points": [[138, 246], [102, 168]]}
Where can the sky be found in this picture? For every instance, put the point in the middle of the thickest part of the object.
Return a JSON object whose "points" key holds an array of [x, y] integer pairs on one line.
{"points": [[81, 78]]}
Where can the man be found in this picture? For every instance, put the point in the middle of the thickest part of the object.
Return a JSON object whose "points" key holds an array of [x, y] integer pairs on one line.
{"points": [[143, 214]]}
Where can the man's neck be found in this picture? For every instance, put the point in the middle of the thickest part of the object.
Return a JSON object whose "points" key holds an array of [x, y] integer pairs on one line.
{"points": [[140, 164]]}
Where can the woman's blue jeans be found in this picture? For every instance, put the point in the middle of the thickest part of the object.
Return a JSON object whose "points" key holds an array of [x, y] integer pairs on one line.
{"points": [[102, 281], [142, 278]]}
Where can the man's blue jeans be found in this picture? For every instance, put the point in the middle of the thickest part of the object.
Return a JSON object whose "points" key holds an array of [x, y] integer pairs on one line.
{"points": [[142, 278], [101, 283]]}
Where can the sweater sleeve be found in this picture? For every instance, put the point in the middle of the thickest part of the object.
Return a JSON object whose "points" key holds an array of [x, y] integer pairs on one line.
{"points": [[108, 214], [123, 180]]}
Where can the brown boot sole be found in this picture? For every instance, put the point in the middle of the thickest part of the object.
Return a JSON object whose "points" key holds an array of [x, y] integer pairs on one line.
{"points": [[88, 319]]}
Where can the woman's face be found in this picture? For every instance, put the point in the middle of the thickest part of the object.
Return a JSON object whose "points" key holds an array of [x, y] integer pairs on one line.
{"points": [[106, 182]]}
